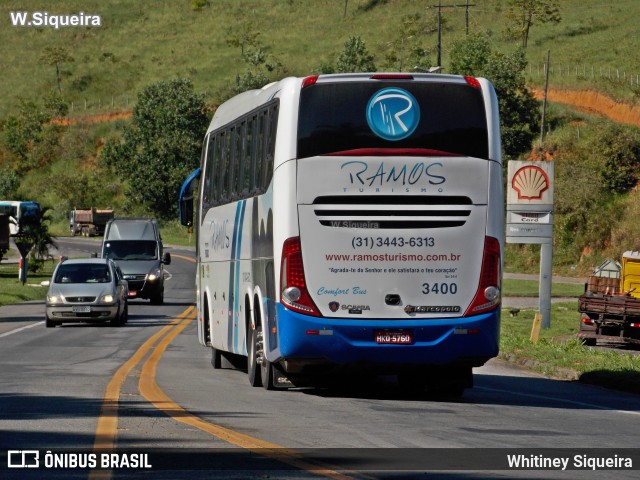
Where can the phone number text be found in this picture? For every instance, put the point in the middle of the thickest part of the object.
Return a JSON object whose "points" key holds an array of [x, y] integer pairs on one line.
{"points": [[412, 242]]}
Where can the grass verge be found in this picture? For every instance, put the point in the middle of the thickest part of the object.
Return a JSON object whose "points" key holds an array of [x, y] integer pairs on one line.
{"points": [[559, 354], [13, 291], [530, 288]]}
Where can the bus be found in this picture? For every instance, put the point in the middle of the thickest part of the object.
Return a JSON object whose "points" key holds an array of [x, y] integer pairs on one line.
{"points": [[17, 211], [348, 223]]}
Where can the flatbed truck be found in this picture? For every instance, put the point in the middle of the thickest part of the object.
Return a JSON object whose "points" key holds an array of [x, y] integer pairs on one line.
{"points": [[610, 311]]}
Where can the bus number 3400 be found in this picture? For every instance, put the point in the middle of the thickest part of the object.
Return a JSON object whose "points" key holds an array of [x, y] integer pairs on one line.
{"points": [[439, 288]]}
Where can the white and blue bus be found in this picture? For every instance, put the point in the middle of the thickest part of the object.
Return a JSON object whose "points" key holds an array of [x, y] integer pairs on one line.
{"points": [[352, 221], [17, 211]]}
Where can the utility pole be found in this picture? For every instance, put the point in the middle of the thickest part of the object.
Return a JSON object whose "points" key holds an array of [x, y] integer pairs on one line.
{"points": [[439, 47], [466, 19], [440, 7], [544, 102]]}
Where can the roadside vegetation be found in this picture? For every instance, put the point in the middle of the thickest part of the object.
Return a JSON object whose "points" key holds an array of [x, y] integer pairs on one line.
{"points": [[529, 288], [12, 291], [560, 354]]}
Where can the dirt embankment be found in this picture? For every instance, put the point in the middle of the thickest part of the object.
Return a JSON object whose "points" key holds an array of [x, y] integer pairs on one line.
{"points": [[91, 119], [591, 101]]}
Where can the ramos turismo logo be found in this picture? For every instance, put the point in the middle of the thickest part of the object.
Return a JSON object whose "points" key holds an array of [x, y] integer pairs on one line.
{"points": [[393, 114]]}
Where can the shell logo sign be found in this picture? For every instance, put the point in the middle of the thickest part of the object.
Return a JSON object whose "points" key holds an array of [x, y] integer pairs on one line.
{"points": [[530, 182], [530, 202]]}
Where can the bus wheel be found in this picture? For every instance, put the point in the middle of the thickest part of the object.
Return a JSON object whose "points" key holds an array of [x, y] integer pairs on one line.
{"points": [[412, 381], [216, 358], [451, 382], [267, 373], [253, 368]]}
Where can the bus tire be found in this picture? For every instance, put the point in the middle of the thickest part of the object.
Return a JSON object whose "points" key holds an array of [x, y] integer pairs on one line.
{"points": [[253, 369], [267, 374], [412, 381], [216, 358]]}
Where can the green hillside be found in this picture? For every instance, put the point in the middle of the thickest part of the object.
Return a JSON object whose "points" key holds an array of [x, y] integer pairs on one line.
{"points": [[138, 43], [101, 70]]}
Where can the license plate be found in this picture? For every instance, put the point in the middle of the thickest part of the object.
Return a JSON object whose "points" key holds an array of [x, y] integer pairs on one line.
{"points": [[132, 293], [86, 309], [393, 338]]}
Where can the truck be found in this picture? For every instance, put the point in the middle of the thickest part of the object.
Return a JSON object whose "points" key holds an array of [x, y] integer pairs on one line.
{"points": [[610, 307], [89, 222], [4, 234]]}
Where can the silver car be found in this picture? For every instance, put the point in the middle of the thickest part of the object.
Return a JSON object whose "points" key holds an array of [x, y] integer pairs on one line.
{"points": [[87, 290]]}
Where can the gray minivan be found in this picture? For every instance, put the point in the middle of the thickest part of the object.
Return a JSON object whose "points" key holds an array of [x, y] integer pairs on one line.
{"points": [[136, 247]]}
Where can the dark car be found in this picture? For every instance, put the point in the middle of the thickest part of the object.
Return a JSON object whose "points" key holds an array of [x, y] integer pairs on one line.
{"points": [[87, 290], [136, 246]]}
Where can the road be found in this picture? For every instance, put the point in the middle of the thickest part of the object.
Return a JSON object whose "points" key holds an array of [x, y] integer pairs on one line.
{"points": [[149, 387]]}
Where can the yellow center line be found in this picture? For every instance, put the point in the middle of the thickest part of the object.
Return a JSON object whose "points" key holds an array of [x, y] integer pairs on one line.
{"points": [[182, 257], [106, 429], [155, 395]]}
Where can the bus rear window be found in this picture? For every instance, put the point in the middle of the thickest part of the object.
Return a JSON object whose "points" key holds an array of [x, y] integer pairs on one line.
{"points": [[450, 118]]}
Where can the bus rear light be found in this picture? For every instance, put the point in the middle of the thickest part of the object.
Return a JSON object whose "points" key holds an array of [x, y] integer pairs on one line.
{"points": [[473, 82], [293, 287], [488, 293], [308, 81]]}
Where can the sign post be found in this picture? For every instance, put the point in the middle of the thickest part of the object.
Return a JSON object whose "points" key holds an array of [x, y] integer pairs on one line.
{"points": [[530, 219], [23, 247]]}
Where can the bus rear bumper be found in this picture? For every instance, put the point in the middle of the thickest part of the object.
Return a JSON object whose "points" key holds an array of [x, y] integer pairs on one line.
{"points": [[312, 342]]}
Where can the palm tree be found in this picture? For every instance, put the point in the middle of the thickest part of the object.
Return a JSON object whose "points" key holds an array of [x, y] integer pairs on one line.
{"points": [[34, 230]]}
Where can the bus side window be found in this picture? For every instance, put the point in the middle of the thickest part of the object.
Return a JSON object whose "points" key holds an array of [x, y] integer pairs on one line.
{"points": [[225, 165], [207, 164], [216, 167], [270, 144], [258, 157], [239, 160], [249, 154]]}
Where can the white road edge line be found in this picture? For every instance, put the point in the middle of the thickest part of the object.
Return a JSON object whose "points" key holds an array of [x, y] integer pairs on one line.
{"points": [[6, 334], [561, 400]]}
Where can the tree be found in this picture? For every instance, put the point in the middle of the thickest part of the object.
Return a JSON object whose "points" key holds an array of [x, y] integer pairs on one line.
{"points": [[523, 14], [405, 51], [355, 57], [519, 110], [9, 182], [242, 35], [162, 145], [618, 153], [55, 56], [21, 132], [34, 230], [470, 55]]}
